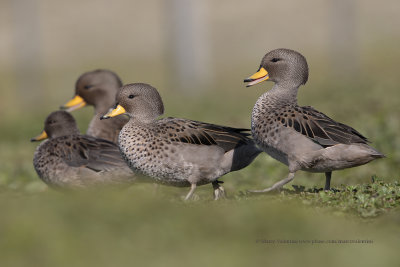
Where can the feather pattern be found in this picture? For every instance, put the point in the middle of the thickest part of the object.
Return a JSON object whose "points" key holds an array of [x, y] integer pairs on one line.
{"points": [[319, 127], [200, 133], [86, 151]]}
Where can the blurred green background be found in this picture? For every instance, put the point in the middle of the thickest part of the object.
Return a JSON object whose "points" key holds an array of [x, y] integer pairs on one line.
{"points": [[196, 53]]}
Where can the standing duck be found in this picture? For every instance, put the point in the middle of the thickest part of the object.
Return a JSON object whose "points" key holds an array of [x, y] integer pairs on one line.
{"points": [[178, 152], [301, 137], [98, 88], [70, 160]]}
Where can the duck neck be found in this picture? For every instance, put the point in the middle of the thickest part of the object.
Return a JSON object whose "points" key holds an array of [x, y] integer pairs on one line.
{"points": [[141, 120], [65, 130], [283, 95]]}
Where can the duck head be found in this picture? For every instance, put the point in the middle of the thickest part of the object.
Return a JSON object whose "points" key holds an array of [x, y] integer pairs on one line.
{"points": [[139, 101], [282, 66], [58, 123], [97, 88]]}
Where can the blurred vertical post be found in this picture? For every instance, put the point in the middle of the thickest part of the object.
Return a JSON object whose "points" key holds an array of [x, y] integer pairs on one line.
{"points": [[27, 49], [188, 50], [343, 44]]}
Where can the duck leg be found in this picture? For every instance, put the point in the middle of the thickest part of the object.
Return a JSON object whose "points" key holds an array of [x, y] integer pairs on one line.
{"points": [[328, 176], [219, 191], [276, 186], [190, 194]]}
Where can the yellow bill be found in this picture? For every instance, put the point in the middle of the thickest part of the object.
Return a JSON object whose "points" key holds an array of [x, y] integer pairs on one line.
{"points": [[40, 137], [75, 103], [260, 76], [115, 112]]}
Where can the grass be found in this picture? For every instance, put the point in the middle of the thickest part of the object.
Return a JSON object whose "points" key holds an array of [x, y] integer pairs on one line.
{"points": [[365, 200], [137, 227], [153, 226]]}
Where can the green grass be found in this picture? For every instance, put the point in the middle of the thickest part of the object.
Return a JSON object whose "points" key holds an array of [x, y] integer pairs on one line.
{"points": [[366, 200], [135, 227], [153, 226]]}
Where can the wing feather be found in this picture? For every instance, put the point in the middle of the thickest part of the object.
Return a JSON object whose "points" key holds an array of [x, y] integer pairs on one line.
{"points": [[320, 128], [92, 153], [200, 133]]}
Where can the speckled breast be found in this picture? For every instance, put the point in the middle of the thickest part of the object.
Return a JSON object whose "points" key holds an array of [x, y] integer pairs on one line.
{"points": [[148, 153], [265, 129]]}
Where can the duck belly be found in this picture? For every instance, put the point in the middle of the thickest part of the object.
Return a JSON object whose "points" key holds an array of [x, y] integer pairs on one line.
{"points": [[287, 146], [342, 156], [275, 153]]}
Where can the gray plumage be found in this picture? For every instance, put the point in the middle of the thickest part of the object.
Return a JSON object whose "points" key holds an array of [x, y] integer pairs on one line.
{"points": [[301, 137], [99, 88], [70, 160], [178, 152]]}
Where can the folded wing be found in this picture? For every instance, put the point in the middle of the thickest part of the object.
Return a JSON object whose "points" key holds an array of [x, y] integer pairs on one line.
{"points": [[200, 133], [320, 128]]}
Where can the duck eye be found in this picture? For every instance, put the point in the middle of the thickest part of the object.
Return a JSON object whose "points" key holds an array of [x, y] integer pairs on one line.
{"points": [[275, 59], [88, 86], [131, 96]]}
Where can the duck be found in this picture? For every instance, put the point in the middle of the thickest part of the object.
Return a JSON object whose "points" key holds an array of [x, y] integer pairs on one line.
{"points": [[98, 88], [176, 151], [68, 160], [300, 136]]}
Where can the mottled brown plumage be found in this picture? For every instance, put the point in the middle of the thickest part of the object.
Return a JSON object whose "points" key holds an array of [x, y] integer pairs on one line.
{"points": [[301, 137], [174, 151], [70, 160], [99, 88]]}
